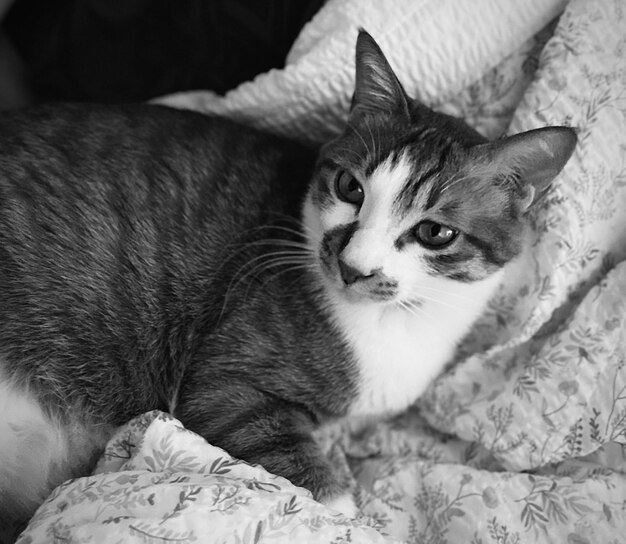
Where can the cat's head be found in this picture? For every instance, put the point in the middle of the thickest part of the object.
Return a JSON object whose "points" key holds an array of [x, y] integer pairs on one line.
{"points": [[407, 200]]}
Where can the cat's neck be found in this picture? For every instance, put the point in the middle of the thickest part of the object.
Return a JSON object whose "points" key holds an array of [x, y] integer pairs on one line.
{"points": [[400, 350]]}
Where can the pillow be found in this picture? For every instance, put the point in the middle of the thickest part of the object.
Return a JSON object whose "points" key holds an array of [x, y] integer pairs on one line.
{"points": [[437, 47]]}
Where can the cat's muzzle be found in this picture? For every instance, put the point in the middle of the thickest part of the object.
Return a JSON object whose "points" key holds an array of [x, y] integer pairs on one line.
{"points": [[372, 284]]}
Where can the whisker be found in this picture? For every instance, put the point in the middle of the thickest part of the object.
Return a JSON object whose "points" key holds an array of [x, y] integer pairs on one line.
{"points": [[457, 175], [308, 266], [369, 129], [361, 137], [422, 315], [456, 295], [452, 182], [443, 303], [378, 136], [409, 309], [300, 233], [274, 259], [282, 228], [275, 255], [280, 242], [284, 247], [355, 156], [237, 278], [294, 266]]}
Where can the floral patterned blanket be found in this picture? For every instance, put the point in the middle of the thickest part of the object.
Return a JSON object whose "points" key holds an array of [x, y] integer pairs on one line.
{"points": [[522, 441]]}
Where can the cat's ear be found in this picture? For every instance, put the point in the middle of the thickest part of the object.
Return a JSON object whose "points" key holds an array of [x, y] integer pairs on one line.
{"points": [[377, 89], [532, 159]]}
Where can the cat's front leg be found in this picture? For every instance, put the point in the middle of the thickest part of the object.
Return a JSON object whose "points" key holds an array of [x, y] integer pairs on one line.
{"points": [[262, 429]]}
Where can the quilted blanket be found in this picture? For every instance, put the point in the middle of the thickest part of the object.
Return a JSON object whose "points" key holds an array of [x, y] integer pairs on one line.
{"points": [[523, 439]]}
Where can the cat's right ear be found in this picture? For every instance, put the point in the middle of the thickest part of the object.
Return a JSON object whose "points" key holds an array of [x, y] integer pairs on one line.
{"points": [[531, 159], [377, 89]]}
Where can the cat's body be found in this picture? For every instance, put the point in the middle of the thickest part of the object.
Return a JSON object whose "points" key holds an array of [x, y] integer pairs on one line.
{"points": [[157, 262], [111, 291]]}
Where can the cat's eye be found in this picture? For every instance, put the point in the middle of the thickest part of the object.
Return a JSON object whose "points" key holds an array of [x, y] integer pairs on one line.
{"points": [[434, 235], [348, 188]]}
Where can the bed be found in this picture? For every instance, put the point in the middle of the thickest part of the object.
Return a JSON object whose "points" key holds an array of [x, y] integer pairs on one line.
{"points": [[523, 439]]}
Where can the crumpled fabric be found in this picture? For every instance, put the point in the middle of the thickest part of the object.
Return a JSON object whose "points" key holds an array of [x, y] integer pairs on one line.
{"points": [[158, 482]]}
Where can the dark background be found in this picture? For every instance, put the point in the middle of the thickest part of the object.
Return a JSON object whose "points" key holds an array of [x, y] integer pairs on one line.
{"points": [[129, 50]]}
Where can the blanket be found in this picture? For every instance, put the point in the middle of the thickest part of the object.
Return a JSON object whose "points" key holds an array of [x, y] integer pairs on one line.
{"points": [[158, 482], [523, 440]]}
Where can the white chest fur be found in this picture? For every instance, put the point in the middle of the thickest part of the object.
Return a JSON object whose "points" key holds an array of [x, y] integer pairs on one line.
{"points": [[399, 352]]}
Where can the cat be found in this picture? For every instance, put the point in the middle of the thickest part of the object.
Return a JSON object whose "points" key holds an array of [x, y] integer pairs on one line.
{"points": [[255, 288]]}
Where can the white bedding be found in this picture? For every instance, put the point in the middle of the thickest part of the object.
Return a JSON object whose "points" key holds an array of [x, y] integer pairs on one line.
{"points": [[439, 48]]}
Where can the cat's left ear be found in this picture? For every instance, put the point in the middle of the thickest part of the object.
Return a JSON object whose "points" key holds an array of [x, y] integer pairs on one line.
{"points": [[532, 159], [377, 89]]}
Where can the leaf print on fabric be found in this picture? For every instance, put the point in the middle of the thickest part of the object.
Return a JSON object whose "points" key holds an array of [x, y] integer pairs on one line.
{"points": [[155, 535], [165, 457], [595, 426], [579, 255], [291, 508], [252, 533], [122, 448], [222, 465], [185, 497], [572, 442], [226, 498], [115, 519], [525, 387], [549, 503], [275, 527], [262, 486], [616, 420], [236, 503], [501, 418], [438, 509], [500, 534]]}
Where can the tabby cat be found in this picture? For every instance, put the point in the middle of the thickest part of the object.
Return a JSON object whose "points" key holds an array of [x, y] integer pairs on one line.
{"points": [[161, 259]]}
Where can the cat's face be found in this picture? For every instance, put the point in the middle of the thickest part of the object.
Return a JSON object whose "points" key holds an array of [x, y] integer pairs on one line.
{"points": [[408, 204], [401, 226]]}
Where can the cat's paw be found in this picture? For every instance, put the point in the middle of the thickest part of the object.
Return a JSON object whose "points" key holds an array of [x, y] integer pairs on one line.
{"points": [[344, 504]]}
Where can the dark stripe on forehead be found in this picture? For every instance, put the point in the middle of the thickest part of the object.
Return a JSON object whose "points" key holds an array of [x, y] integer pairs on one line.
{"points": [[419, 134], [435, 189], [393, 159], [413, 139], [406, 197]]}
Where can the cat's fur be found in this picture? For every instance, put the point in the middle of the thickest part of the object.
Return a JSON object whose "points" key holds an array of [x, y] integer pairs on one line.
{"points": [[148, 260]]}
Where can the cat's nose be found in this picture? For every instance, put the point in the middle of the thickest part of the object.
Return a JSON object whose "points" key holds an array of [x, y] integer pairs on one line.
{"points": [[350, 274]]}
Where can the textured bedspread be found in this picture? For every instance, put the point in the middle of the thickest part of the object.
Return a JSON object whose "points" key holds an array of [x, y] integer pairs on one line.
{"points": [[523, 441], [158, 482]]}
